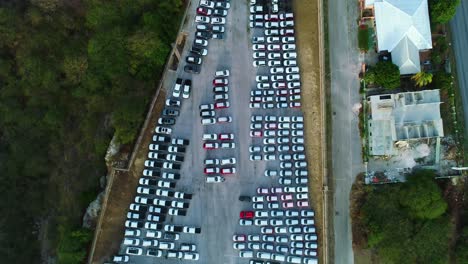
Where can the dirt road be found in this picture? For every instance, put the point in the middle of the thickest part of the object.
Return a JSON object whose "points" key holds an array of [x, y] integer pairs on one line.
{"points": [[309, 41]]}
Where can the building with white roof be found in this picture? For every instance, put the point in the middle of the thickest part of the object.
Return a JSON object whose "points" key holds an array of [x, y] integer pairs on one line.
{"points": [[403, 29], [402, 117]]}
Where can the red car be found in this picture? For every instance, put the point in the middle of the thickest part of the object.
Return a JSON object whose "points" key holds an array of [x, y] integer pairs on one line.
{"points": [[228, 170], [211, 170], [210, 145], [246, 214], [204, 11], [256, 133], [272, 17], [222, 104], [220, 82]]}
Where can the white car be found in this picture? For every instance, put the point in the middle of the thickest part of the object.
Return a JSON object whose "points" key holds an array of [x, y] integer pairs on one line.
{"points": [[214, 179], [228, 161], [288, 63], [261, 213], [222, 73], [218, 20], [273, 40], [206, 3], [288, 40], [293, 77], [287, 23], [259, 55], [261, 78], [246, 254], [292, 85], [277, 70], [202, 19], [259, 47], [245, 222], [274, 63], [258, 63], [201, 42], [163, 130], [292, 70], [289, 55], [272, 32], [274, 55]]}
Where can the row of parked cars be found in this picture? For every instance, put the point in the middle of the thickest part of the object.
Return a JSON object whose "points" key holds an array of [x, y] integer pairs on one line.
{"points": [[216, 167], [280, 138], [157, 199], [211, 20], [278, 84], [286, 233]]}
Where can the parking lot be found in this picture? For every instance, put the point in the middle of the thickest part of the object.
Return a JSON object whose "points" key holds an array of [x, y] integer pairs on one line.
{"points": [[215, 207]]}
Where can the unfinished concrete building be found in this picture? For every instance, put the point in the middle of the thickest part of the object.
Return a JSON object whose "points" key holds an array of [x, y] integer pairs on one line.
{"points": [[402, 117]]}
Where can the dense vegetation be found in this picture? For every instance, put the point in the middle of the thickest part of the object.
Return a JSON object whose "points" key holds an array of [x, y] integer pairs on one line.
{"points": [[407, 222], [442, 11], [72, 73], [384, 74]]}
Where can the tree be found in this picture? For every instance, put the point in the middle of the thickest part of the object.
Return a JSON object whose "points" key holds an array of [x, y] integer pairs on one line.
{"points": [[422, 78], [442, 11], [385, 74], [461, 249], [422, 197], [442, 80]]}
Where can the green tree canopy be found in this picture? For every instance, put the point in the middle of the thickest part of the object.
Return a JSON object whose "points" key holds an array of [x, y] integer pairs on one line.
{"points": [[385, 74], [422, 197], [397, 227], [442, 11]]}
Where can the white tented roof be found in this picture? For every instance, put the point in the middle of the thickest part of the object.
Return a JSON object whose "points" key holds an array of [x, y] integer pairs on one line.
{"points": [[403, 29]]}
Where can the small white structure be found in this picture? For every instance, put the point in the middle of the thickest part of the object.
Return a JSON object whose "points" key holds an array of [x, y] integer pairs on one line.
{"points": [[403, 28], [402, 117]]}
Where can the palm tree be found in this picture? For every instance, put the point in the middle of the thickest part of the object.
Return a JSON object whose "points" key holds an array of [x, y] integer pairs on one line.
{"points": [[422, 78]]}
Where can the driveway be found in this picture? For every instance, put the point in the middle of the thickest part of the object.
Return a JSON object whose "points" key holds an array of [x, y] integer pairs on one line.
{"points": [[459, 26], [346, 142]]}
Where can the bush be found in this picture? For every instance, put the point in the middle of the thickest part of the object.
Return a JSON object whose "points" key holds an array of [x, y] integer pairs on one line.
{"points": [[363, 38], [385, 74], [442, 11], [73, 244]]}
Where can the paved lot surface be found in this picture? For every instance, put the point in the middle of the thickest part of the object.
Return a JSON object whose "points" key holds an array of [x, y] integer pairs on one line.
{"points": [[459, 26], [346, 144], [215, 207]]}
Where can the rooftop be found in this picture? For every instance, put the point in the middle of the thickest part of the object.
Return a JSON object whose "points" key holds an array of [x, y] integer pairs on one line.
{"points": [[402, 117]]}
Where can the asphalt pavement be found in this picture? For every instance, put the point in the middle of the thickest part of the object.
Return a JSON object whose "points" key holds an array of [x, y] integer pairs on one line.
{"points": [[459, 26], [215, 207], [346, 142]]}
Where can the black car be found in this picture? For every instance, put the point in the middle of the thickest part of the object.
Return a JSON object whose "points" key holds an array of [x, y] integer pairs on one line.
{"points": [[169, 236], [166, 121], [203, 34], [218, 35], [192, 68], [157, 147], [170, 112], [244, 198]]}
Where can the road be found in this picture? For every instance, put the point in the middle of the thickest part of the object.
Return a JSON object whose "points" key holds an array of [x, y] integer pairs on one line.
{"points": [[346, 146], [459, 26]]}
